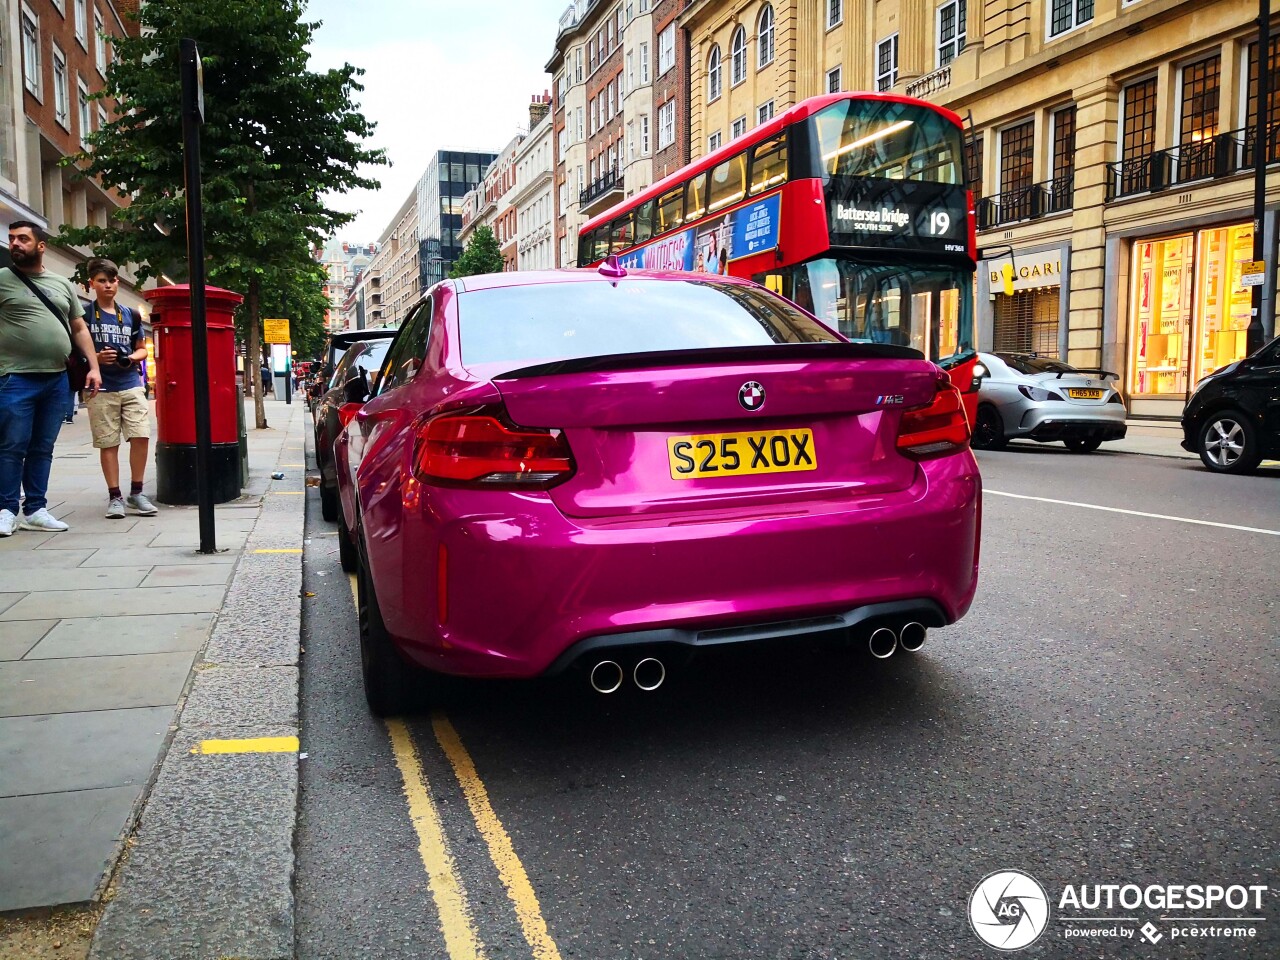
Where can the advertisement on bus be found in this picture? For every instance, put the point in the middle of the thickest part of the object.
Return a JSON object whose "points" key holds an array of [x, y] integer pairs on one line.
{"points": [[714, 243]]}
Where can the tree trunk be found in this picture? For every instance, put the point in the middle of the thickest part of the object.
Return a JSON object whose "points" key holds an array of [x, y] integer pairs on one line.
{"points": [[254, 336]]}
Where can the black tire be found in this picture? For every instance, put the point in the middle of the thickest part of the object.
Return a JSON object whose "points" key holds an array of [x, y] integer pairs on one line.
{"points": [[347, 555], [988, 432], [1083, 444], [389, 686], [329, 507], [1228, 443]]}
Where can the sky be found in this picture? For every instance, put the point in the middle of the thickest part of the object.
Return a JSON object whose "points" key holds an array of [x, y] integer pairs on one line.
{"points": [[438, 74]]}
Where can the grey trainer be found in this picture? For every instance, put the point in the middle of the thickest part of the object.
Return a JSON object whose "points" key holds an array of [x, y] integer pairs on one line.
{"points": [[115, 509], [139, 503]]}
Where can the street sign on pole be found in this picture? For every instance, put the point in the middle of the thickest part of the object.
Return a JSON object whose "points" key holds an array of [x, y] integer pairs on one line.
{"points": [[192, 117], [275, 331], [1253, 273]]}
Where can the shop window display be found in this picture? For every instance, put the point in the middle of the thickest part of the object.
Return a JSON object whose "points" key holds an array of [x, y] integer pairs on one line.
{"points": [[1161, 339], [1224, 304]]}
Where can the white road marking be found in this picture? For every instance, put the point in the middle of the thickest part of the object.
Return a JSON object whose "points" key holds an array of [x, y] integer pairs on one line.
{"points": [[1136, 513]]}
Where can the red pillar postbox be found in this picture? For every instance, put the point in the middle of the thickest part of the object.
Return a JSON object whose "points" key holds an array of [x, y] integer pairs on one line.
{"points": [[176, 398]]}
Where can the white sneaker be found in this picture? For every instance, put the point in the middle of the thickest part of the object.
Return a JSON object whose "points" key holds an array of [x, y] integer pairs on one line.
{"points": [[8, 523], [115, 509], [42, 519]]}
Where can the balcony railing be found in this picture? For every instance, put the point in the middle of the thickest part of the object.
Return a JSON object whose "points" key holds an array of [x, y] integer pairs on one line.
{"points": [[921, 87], [611, 181], [1210, 159], [1025, 203]]}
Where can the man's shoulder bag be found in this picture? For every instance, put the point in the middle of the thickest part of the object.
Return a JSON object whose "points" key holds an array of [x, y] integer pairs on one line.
{"points": [[77, 362]]}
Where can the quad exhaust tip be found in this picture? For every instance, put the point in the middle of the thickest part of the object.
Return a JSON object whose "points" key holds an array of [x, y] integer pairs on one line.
{"points": [[606, 677], [882, 643], [649, 674], [911, 637]]}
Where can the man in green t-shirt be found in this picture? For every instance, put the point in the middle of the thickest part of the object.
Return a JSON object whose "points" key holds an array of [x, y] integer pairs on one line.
{"points": [[34, 345]]}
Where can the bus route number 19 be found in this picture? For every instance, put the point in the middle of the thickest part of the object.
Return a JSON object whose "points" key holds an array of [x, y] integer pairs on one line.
{"points": [[939, 223]]}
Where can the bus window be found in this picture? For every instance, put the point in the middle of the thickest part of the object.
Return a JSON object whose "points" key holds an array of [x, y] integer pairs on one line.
{"points": [[695, 199], [599, 243], [671, 210], [728, 183], [620, 235], [586, 247], [887, 140], [644, 222], [769, 164]]}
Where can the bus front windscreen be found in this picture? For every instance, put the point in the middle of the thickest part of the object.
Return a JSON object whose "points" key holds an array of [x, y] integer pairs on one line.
{"points": [[886, 140], [927, 308]]}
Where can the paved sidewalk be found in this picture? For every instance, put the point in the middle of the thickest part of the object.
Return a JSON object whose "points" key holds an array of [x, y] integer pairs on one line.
{"points": [[100, 627]]}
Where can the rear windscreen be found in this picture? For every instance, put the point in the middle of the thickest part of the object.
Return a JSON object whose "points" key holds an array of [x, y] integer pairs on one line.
{"points": [[562, 321]]}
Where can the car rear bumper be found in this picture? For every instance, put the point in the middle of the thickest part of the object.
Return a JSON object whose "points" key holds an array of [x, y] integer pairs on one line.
{"points": [[1047, 422], [526, 588]]}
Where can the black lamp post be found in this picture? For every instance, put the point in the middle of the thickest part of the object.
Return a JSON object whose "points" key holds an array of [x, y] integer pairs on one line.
{"points": [[1261, 149]]}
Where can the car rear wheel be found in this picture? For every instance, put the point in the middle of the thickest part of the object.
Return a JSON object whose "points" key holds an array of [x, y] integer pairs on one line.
{"points": [[328, 501], [1229, 443], [389, 686], [1083, 444], [988, 432], [347, 555]]}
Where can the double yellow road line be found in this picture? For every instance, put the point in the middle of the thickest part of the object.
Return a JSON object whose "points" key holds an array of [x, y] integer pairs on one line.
{"points": [[461, 938]]}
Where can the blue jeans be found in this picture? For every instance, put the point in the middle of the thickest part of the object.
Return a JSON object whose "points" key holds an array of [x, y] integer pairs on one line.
{"points": [[32, 406]]}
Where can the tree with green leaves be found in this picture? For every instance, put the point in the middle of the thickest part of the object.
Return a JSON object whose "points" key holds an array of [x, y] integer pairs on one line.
{"points": [[277, 138], [480, 256]]}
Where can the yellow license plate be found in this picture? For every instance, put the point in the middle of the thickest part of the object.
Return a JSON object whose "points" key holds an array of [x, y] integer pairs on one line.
{"points": [[1080, 393], [735, 454]]}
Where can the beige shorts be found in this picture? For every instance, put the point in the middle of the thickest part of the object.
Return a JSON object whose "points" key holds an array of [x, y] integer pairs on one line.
{"points": [[119, 412]]}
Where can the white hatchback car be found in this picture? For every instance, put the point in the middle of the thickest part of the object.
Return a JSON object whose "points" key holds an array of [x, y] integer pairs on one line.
{"points": [[1025, 397]]}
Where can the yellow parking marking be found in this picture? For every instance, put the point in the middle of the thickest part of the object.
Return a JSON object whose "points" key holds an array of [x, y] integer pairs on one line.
{"points": [[510, 869], [282, 550], [291, 464], [459, 930], [255, 745], [289, 493]]}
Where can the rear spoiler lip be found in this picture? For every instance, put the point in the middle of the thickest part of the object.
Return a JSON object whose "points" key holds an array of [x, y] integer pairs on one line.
{"points": [[1086, 370], [765, 353]]}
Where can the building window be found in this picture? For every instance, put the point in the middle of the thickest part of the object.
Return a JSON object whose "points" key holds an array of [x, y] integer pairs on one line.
{"points": [[595, 117], [84, 113], [951, 31], [577, 65], [713, 142], [764, 112], [644, 64], [61, 91], [1027, 322], [738, 57], [833, 80], [1199, 118], [738, 129], [835, 12], [887, 62], [1138, 135], [1066, 15], [1017, 156], [764, 49], [666, 124], [99, 44], [1064, 157], [644, 134], [973, 166], [82, 23], [667, 48], [30, 53], [1273, 100], [714, 74], [611, 98]]}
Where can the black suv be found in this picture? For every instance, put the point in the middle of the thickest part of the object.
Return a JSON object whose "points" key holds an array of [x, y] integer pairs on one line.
{"points": [[1232, 418]]}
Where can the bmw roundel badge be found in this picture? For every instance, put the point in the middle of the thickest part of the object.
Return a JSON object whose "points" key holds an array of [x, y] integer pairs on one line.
{"points": [[751, 396]]}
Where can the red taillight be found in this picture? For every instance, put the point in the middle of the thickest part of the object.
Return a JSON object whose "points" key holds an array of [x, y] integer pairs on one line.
{"points": [[347, 412], [936, 430], [479, 448]]}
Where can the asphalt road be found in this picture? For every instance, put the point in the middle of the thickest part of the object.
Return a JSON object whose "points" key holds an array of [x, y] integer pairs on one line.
{"points": [[1105, 714]]}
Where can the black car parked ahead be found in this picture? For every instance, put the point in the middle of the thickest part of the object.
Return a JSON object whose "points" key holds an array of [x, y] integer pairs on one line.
{"points": [[349, 382], [1233, 417]]}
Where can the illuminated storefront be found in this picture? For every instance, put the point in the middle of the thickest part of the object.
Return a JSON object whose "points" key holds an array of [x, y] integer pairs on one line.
{"points": [[1189, 312], [1022, 302]]}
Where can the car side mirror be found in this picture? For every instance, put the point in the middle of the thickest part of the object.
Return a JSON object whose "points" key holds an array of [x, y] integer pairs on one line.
{"points": [[356, 389]]}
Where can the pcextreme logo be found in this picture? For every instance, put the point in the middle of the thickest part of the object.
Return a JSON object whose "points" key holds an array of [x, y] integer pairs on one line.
{"points": [[1009, 910]]}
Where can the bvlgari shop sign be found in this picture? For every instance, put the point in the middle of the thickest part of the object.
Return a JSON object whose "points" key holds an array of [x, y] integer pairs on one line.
{"points": [[1026, 274]]}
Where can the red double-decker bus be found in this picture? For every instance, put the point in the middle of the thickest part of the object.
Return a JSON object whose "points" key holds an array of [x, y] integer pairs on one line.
{"points": [[853, 205]]}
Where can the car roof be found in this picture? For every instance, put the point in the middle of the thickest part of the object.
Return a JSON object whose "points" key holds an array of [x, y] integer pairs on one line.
{"points": [[521, 278]]}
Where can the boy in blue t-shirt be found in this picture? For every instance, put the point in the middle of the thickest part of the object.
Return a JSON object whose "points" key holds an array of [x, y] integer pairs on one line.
{"points": [[120, 407]]}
